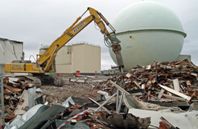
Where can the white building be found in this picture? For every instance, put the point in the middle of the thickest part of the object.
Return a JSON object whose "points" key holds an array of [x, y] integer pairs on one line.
{"points": [[82, 57], [10, 50]]}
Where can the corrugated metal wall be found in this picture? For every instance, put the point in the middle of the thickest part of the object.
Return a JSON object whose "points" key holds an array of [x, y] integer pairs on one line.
{"points": [[10, 50]]}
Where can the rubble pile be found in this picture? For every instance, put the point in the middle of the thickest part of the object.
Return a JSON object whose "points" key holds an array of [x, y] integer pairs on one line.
{"points": [[15, 92], [75, 116], [156, 82], [103, 120], [133, 100]]}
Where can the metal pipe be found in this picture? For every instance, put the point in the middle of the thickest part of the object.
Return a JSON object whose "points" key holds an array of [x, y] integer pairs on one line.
{"points": [[2, 98]]}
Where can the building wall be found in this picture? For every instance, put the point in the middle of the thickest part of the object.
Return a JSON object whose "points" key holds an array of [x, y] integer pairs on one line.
{"points": [[83, 57], [10, 50]]}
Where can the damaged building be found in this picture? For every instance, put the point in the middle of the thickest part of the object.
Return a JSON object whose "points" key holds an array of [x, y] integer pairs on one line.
{"points": [[10, 50]]}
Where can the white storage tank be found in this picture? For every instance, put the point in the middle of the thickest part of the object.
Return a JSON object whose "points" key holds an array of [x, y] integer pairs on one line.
{"points": [[148, 32]]}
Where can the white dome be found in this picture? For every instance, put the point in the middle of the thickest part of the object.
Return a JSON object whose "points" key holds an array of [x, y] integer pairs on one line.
{"points": [[147, 15], [148, 32]]}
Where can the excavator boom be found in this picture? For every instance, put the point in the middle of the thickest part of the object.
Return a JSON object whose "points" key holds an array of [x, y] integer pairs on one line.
{"points": [[45, 61]]}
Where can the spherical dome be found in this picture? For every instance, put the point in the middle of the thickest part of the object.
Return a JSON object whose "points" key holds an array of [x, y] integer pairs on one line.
{"points": [[148, 32]]}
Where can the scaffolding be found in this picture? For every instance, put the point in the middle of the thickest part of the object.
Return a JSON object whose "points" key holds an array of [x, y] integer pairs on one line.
{"points": [[1, 100]]}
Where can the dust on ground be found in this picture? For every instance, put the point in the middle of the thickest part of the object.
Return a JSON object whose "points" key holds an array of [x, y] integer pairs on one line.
{"points": [[84, 88]]}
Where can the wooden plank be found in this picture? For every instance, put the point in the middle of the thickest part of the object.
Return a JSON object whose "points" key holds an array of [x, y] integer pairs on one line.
{"points": [[173, 97], [117, 98], [119, 103], [137, 84], [188, 98], [176, 85], [148, 67], [160, 94], [13, 89], [128, 75], [129, 97], [119, 88], [106, 101]]}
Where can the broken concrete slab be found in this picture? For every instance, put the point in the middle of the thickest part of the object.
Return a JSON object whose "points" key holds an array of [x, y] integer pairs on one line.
{"points": [[41, 117], [21, 119], [183, 120], [125, 121]]}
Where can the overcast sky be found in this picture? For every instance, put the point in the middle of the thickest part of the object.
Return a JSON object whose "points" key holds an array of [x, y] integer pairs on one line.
{"points": [[39, 22]]}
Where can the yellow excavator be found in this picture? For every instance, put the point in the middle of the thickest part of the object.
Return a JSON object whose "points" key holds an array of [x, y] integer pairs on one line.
{"points": [[44, 62]]}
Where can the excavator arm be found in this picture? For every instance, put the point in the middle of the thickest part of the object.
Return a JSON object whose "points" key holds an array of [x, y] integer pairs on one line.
{"points": [[45, 61]]}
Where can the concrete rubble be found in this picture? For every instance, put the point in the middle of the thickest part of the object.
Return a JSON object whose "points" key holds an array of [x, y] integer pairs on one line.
{"points": [[19, 96], [154, 82], [157, 96]]}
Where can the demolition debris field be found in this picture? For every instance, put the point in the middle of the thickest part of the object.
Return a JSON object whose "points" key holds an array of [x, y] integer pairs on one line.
{"points": [[156, 87], [60, 94]]}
